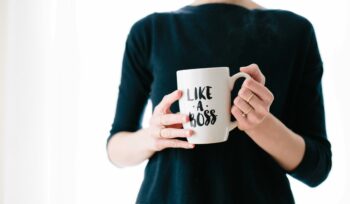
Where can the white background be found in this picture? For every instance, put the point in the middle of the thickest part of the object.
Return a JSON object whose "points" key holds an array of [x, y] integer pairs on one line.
{"points": [[60, 66]]}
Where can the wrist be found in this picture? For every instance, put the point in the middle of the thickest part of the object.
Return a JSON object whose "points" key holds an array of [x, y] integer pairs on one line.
{"points": [[264, 125], [148, 142]]}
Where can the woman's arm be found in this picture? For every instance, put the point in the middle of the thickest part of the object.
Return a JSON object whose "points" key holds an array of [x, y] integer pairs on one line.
{"points": [[285, 146], [305, 153], [128, 144], [131, 148]]}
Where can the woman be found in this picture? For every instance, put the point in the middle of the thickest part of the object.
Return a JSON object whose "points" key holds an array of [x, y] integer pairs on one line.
{"points": [[280, 111]]}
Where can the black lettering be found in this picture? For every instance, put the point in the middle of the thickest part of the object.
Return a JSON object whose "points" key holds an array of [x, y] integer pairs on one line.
{"points": [[201, 93], [200, 119], [214, 117], [189, 95], [200, 106], [207, 117], [192, 120], [195, 93], [208, 92]]}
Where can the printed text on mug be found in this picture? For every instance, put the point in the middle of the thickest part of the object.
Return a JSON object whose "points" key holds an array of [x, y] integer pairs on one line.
{"points": [[203, 116]]}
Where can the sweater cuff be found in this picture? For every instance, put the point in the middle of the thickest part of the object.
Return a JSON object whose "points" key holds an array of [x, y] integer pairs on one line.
{"points": [[306, 168]]}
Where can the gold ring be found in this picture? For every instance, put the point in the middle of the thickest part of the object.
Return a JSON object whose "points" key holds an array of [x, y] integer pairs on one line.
{"points": [[246, 114], [250, 97]]}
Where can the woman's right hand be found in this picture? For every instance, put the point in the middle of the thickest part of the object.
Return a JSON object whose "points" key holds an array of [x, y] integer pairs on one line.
{"points": [[165, 126]]}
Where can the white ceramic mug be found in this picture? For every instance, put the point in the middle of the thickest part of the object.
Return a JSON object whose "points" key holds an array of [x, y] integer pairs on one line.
{"points": [[207, 100]]}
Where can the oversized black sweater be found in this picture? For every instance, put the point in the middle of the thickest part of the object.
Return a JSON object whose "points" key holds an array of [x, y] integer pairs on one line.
{"points": [[284, 46]]}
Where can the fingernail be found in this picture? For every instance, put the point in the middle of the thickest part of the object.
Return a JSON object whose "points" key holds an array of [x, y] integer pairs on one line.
{"points": [[179, 92], [191, 145], [189, 132], [185, 119]]}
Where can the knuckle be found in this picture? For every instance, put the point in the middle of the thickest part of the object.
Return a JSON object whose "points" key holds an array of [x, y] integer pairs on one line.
{"points": [[268, 110], [165, 132], [249, 82], [158, 145], [236, 100], [157, 108], [165, 97], [243, 92], [263, 112], [266, 102], [154, 132], [234, 110], [240, 92], [255, 119], [259, 116], [167, 103], [272, 97], [260, 109]]}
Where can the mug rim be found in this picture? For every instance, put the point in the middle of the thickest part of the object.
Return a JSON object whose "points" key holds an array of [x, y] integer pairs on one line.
{"points": [[203, 69]]}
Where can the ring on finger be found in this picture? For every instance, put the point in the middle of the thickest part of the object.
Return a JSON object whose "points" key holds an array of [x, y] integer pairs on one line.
{"points": [[250, 98], [244, 115], [160, 131]]}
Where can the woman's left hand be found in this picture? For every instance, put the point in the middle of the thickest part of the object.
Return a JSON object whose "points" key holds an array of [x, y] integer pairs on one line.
{"points": [[253, 102]]}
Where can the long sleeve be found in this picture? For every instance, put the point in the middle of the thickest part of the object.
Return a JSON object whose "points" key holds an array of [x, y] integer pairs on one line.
{"points": [[310, 119], [135, 83]]}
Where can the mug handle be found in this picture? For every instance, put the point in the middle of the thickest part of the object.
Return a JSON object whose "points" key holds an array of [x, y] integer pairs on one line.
{"points": [[232, 81]]}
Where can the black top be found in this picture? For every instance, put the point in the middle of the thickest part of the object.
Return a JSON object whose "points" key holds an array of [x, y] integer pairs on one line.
{"points": [[284, 46]]}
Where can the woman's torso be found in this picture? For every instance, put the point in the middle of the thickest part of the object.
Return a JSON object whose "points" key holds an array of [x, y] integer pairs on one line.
{"points": [[214, 35]]}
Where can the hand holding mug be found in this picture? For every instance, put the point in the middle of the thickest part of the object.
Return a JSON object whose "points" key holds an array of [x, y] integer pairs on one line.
{"points": [[207, 101], [165, 126], [254, 99]]}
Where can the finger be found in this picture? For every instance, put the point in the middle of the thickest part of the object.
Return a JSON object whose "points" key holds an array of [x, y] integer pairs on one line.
{"points": [[254, 71], [177, 126], [252, 99], [156, 131], [164, 106], [258, 89], [237, 113], [172, 118], [243, 105], [245, 93], [173, 133], [244, 121], [172, 143]]}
